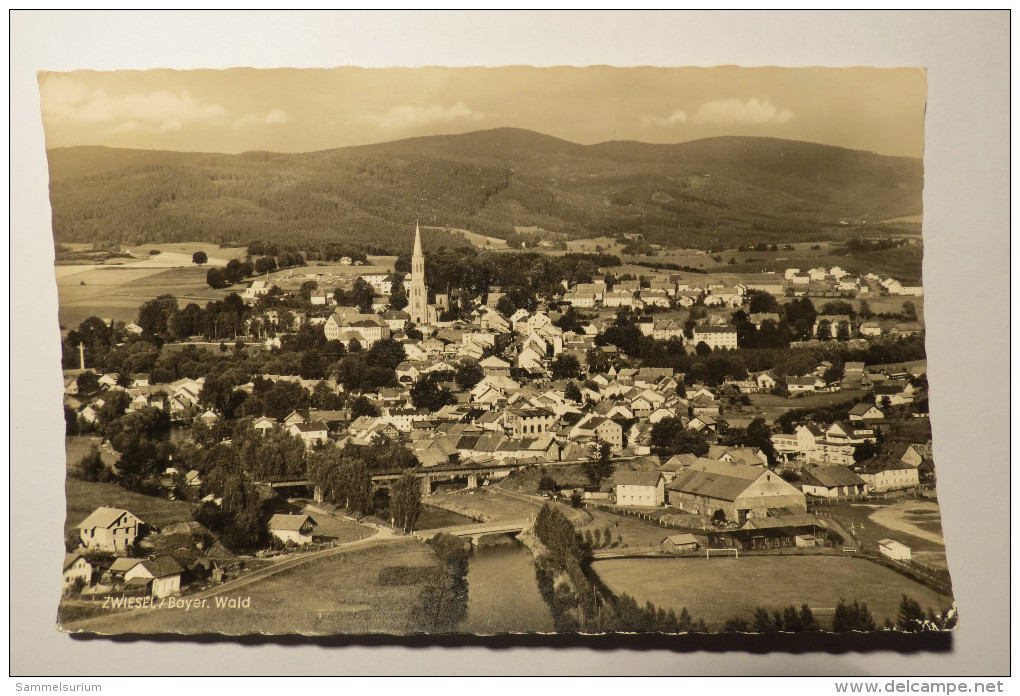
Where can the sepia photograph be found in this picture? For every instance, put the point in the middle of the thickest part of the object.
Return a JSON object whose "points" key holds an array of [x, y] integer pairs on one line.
{"points": [[414, 351], [413, 355]]}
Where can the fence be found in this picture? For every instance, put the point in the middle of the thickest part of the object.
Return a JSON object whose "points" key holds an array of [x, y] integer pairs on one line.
{"points": [[658, 521]]}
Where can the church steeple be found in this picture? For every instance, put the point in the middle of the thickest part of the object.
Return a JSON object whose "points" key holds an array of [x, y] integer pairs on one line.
{"points": [[417, 297]]}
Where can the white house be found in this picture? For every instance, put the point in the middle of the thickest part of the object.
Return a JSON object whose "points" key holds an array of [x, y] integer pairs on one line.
{"points": [[109, 529], [295, 528], [162, 575], [639, 488]]}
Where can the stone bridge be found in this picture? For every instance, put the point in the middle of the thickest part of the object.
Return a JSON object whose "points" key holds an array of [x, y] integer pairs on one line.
{"points": [[477, 531]]}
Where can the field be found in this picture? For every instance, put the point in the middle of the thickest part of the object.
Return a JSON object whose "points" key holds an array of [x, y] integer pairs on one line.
{"points": [[720, 588], [495, 506], [84, 497], [116, 292], [78, 446], [337, 594], [867, 520]]}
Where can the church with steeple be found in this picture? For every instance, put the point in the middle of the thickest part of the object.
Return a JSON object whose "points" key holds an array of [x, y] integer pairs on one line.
{"points": [[417, 294]]}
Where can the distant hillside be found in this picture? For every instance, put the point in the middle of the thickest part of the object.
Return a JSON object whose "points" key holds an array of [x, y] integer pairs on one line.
{"points": [[708, 193]]}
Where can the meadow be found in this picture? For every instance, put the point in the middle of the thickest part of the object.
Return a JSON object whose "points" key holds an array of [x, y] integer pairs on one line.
{"points": [[721, 588]]}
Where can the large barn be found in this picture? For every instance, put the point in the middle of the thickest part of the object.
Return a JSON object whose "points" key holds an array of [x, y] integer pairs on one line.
{"points": [[739, 491]]}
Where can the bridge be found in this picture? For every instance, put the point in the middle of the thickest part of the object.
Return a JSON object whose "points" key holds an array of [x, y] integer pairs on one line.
{"points": [[477, 531]]}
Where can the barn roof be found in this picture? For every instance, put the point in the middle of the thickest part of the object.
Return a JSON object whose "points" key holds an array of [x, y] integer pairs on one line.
{"points": [[832, 476]]}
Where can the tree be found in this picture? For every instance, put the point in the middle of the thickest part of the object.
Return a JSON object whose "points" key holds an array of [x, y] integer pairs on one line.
{"points": [[199, 258], [91, 466], [759, 435], [843, 331], [216, 278], [398, 296], [865, 311], [469, 373], [864, 451], [824, 331], [669, 436], [599, 465], [361, 295], [361, 406], [386, 353], [307, 288], [702, 349], [909, 311], [565, 366], [911, 618], [572, 392], [428, 393], [87, 382], [405, 502], [852, 617]]}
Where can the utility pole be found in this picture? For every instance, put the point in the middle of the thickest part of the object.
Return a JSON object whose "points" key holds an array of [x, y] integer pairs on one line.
{"points": [[81, 354]]}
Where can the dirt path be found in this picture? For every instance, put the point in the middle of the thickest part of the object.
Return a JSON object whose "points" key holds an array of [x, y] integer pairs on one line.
{"points": [[892, 518]]}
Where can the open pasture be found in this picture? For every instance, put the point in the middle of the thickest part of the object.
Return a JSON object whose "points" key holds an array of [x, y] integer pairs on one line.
{"points": [[721, 588]]}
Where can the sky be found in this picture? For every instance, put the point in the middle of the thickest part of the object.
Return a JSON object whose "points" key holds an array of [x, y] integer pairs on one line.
{"points": [[301, 110]]}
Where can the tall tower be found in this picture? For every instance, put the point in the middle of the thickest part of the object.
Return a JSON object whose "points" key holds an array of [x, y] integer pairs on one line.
{"points": [[417, 298]]}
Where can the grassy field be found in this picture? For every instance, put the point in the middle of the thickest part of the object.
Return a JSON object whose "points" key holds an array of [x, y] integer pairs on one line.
{"points": [[84, 497], [869, 532], [721, 588], [338, 594], [497, 507], [637, 535], [80, 445]]}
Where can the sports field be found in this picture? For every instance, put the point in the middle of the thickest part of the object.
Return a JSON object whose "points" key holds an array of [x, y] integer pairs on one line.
{"points": [[720, 588]]}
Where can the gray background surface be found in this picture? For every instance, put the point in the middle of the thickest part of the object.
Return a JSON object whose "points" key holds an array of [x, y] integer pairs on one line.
{"points": [[966, 274]]}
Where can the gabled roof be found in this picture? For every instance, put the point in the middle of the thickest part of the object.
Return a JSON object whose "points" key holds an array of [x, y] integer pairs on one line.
{"points": [[162, 567], [104, 517], [290, 523], [637, 478], [123, 565], [831, 476], [71, 558]]}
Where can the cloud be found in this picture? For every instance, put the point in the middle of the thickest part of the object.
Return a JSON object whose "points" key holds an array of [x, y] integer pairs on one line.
{"points": [[401, 117], [677, 116], [276, 117], [734, 111], [65, 100]]}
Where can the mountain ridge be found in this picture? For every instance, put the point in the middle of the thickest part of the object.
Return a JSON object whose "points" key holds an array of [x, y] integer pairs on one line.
{"points": [[707, 191]]}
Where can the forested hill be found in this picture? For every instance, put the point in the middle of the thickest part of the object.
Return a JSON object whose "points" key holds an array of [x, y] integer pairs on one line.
{"points": [[713, 192]]}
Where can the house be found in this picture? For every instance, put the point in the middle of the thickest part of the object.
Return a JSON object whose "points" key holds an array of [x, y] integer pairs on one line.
{"points": [[894, 550], [257, 289], [161, 575], [312, 433], [76, 567], [680, 543], [109, 529], [639, 488], [292, 528], [734, 492], [347, 324], [804, 385], [715, 336], [831, 482], [885, 475], [264, 424], [866, 412]]}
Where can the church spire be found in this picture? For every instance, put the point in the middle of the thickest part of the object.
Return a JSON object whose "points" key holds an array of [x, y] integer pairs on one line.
{"points": [[417, 240]]}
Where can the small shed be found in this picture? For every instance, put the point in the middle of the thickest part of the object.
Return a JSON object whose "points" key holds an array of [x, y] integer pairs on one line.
{"points": [[680, 543], [894, 550], [805, 541]]}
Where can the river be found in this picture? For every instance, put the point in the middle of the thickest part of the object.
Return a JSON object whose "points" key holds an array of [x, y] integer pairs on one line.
{"points": [[503, 595]]}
